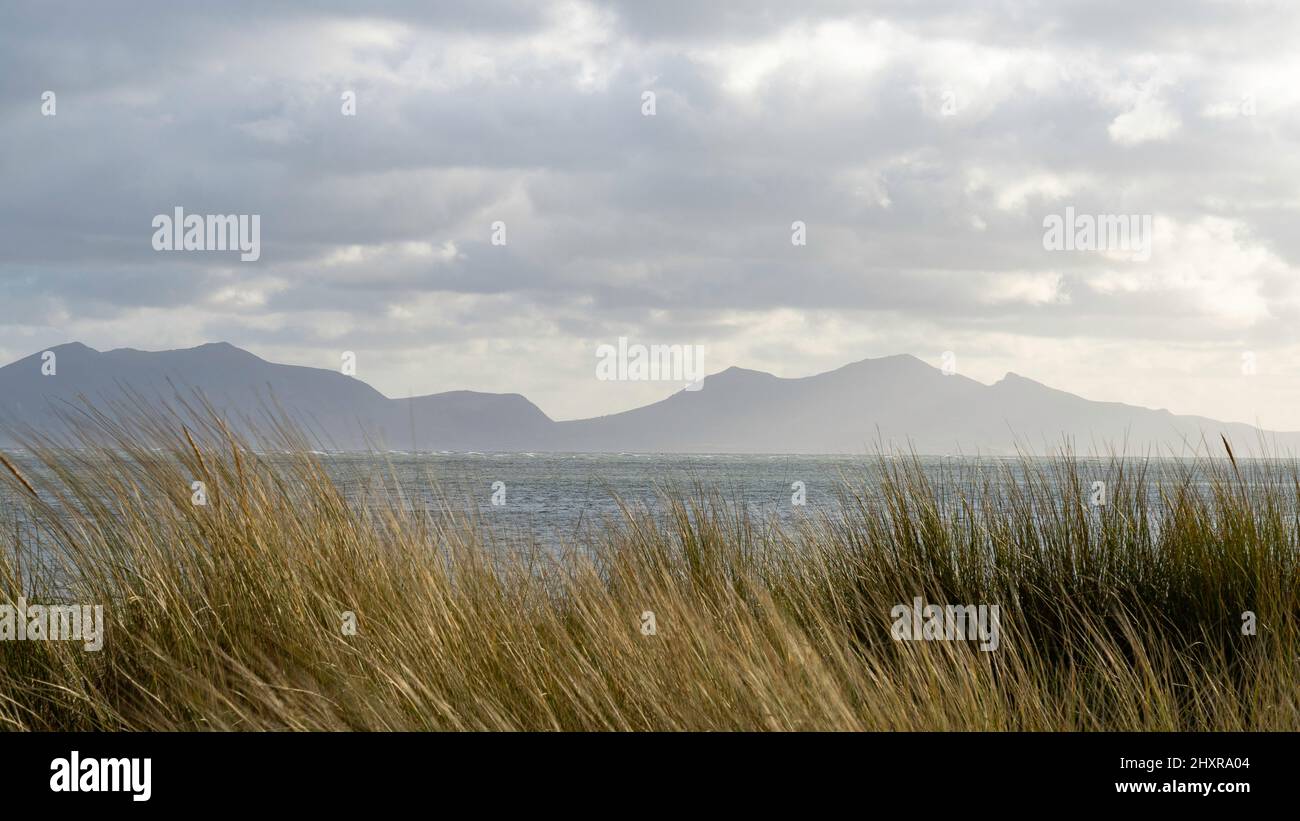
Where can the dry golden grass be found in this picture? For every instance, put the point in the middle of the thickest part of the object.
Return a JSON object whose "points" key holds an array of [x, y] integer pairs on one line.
{"points": [[227, 616]]}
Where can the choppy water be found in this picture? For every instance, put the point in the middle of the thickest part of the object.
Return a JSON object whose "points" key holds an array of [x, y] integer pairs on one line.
{"points": [[553, 495]]}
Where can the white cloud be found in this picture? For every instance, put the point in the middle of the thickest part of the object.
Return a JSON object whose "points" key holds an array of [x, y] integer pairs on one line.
{"points": [[1149, 117], [1029, 289]]}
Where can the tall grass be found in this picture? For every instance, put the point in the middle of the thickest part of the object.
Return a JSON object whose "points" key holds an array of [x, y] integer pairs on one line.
{"points": [[227, 616]]}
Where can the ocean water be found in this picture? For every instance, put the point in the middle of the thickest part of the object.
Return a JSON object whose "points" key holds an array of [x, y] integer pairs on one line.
{"points": [[553, 496]]}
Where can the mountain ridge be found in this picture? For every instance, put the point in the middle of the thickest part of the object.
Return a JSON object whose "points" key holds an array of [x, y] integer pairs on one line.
{"points": [[895, 401]]}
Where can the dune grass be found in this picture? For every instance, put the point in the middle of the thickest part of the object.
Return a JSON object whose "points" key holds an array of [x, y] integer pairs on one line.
{"points": [[227, 616]]}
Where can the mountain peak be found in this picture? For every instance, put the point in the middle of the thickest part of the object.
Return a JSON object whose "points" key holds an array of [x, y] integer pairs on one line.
{"points": [[223, 351], [737, 372], [223, 348], [1013, 380], [894, 366], [897, 360], [73, 347]]}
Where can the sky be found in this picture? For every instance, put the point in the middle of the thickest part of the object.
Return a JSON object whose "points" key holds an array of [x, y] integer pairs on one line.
{"points": [[922, 145]]}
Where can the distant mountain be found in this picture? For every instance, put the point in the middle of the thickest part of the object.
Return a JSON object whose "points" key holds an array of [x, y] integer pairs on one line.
{"points": [[340, 411], [893, 401]]}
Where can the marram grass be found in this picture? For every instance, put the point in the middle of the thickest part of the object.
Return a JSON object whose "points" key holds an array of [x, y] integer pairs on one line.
{"points": [[227, 616]]}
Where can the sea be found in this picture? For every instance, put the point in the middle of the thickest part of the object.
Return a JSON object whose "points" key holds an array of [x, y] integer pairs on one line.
{"points": [[553, 496]]}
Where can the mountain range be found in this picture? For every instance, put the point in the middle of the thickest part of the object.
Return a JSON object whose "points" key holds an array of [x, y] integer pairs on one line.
{"points": [[886, 402]]}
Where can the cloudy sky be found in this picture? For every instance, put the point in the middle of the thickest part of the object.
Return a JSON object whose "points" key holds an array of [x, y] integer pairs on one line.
{"points": [[922, 144]]}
